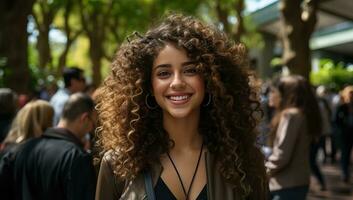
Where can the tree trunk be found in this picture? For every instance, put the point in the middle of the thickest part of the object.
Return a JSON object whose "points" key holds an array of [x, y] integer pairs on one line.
{"points": [[70, 35], [46, 14], [298, 21], [239, 28], [14, 43], [43, 48], [237, 31], [96, 54], [95, 24], [222, 15]]}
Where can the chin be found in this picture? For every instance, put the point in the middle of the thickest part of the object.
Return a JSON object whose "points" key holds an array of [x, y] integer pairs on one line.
{"points": [[180, 114]]}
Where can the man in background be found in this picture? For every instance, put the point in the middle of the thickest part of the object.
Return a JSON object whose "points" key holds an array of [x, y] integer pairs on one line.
{"points": [[74, 82], [56, 166]]}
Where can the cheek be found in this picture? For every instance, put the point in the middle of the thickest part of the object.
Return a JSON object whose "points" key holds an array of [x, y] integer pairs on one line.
{"points": [[199, 85], [155, 86], [159, 87]]}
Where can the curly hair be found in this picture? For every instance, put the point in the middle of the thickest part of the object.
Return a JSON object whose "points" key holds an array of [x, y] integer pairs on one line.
{"points": [[135, 133]]}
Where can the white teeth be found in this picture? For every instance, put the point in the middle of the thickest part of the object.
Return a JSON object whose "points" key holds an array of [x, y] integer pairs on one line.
{"points": [[178, 98]]}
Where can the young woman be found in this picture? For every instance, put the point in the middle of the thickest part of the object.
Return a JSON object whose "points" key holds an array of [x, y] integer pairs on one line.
{"points": [[296, 124], [177, 108]]}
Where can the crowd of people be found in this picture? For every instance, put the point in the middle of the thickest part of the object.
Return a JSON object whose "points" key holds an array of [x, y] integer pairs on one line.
{"points": [[176, 118]]}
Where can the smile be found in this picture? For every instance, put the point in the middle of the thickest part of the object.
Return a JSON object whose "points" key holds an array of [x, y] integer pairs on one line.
{"points": [[179, 99]]}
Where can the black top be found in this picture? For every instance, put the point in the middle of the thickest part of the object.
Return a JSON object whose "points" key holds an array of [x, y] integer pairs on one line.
{"points": [[163, 193]]}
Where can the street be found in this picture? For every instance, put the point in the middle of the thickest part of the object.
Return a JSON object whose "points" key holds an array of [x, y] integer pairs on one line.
{"points": [[336, 189]]}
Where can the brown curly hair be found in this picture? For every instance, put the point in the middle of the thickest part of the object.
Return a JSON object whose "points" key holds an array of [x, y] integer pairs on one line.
{"points": [[135, 133]]}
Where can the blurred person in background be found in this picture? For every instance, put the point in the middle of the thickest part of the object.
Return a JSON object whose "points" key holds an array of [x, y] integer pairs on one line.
{"points": [[295, 125], [48, 91], [344, 125], [31, 121], [56, 166], [74, 82], [326, 113], [320, 143], [8, 109]]}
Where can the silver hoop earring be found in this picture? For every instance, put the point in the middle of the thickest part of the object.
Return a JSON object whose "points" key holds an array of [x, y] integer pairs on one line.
{"points": [[146, 102], [208, 100]]}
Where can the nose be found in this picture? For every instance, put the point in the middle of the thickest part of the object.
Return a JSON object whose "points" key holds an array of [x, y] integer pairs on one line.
{"points": [[177, 83]]}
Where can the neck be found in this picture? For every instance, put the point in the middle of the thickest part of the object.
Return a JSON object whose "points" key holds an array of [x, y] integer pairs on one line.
{"points": [[184, 132], [71, 127]]}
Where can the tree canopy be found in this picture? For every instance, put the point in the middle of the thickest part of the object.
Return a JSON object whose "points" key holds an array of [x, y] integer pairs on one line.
{"points": [[87, 33]]}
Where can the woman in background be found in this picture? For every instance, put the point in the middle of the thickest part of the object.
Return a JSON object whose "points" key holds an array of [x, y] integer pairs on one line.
{"points": [[296, 124], [31, 121]]}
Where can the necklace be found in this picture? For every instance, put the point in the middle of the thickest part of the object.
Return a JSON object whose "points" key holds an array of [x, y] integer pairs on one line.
{"points": [[186, 193]]}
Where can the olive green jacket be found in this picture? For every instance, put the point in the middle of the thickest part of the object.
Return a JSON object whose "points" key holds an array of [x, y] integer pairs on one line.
{"points": [[109, 188]]}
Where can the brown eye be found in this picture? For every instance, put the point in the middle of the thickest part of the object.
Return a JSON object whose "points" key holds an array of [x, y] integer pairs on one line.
{"points": [[191, 70], [163, 74]]}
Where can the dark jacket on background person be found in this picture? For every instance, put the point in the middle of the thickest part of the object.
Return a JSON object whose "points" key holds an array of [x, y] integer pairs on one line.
{"points": [[7, 159], [5, 124], [343, 120], [54, 166], [109, 187]]}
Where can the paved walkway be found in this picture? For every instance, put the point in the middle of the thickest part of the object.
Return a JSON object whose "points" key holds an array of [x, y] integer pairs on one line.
{"points": [[336, 189]]}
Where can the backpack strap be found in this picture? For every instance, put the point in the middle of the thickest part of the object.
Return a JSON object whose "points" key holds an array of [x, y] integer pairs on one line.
{"points": [[149, 185]]}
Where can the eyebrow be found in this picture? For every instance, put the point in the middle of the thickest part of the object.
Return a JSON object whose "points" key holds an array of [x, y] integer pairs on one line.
{"points": [[169, 65]]}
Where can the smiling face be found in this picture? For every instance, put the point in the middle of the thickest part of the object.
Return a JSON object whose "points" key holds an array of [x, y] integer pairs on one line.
{"points": [[177, 85]]}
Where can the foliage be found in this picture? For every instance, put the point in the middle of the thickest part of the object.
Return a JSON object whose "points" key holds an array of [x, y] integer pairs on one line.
{"points": [[121, 18], [333, 75]]}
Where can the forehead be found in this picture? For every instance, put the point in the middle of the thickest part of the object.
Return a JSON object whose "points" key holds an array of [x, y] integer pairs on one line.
{"points": [[170, 53]]}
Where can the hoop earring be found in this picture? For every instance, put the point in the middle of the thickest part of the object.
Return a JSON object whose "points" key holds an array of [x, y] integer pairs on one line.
{"points": [[146, 102], [208, 100]]}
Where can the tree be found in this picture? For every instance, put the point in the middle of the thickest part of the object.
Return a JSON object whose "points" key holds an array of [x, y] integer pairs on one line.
{"points": [[71, 35], [109, 20], [44, 13], [14, 43], [298, 19], [94, 18], [224, 9]]}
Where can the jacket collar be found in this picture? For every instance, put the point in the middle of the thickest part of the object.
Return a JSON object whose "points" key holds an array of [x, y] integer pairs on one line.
{"points": [[63, 134]]}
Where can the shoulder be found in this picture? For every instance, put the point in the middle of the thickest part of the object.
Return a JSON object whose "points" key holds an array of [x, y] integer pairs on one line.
{"points": [[292, 113], [59, 96], [109, 186], [108, 160], [293, 117], [61, 148]]}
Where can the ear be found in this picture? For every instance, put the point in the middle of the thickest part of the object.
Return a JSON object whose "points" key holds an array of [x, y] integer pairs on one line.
{"points": [[84, 117]]}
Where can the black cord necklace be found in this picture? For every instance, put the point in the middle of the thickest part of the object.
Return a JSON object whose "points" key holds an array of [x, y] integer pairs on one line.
{"points": [[193, 176]]}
